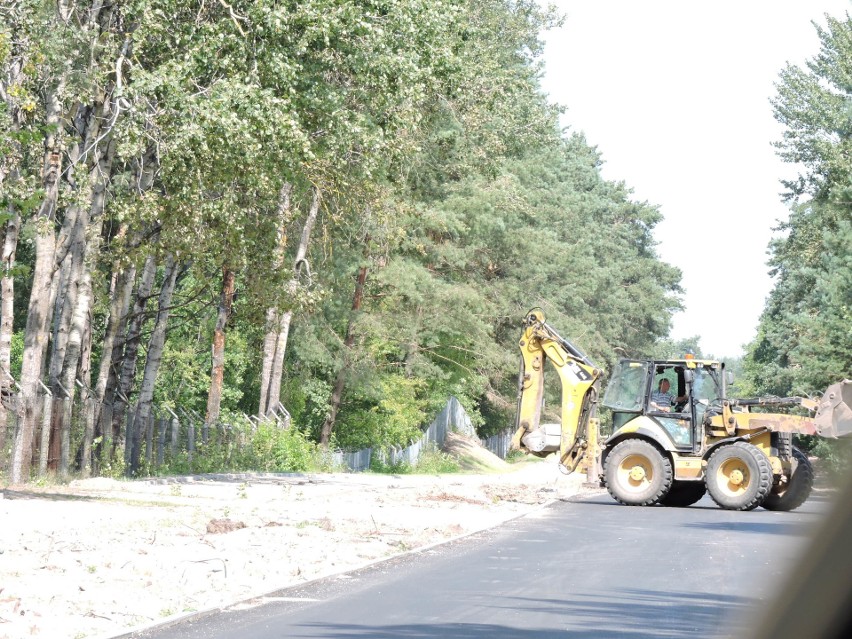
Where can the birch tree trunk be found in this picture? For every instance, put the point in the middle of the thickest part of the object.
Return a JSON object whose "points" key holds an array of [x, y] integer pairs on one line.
{"points": [[7, 285], [282, 333], [63, 297], [282, 330], [111, 354], [77, 241], [269, 341], [89, 405], [11, 228], [38, 310], [7, 314], [337, 393], [152, 364], [217, 374]]}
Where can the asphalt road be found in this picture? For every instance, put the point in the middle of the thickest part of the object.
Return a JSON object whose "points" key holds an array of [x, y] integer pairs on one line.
{"points": [[583, 569]]}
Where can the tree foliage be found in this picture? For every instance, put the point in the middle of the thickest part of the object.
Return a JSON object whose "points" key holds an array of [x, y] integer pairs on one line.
{"points": [[446, 187], [804, 340]]}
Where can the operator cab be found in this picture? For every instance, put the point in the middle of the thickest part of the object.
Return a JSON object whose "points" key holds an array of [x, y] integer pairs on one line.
{"points": [[673, 394]]}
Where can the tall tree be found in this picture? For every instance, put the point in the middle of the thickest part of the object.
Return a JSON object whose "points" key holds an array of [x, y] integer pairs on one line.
{"points": [[217, 374], [154, 355], [803, 342]]}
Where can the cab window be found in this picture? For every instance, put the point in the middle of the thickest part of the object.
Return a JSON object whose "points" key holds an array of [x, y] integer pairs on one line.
{"points": [[627, 387]]}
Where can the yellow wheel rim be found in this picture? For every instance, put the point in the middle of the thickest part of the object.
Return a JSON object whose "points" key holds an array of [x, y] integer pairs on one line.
{"points": [[635, 473], [733, 477]]}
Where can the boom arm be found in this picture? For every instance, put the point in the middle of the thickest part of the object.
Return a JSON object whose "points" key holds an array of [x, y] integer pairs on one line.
{"points": [[576, 439]]}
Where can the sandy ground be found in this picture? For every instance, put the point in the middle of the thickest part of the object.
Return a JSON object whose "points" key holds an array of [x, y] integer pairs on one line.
{"points": [[99, 557]]}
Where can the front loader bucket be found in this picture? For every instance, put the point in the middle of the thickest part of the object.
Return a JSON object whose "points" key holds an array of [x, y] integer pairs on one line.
{"points": [[834, 412]]}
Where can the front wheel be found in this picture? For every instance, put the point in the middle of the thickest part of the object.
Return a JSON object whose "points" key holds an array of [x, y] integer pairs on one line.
{"points": [[738, 476], [637, 473], [793, 494]]}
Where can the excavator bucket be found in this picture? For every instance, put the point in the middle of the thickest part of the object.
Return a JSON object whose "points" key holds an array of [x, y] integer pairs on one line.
{"points": [[834, 412]]}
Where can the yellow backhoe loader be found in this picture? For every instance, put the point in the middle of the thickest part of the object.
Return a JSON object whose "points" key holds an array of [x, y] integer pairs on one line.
{"points": [[671, 447]]}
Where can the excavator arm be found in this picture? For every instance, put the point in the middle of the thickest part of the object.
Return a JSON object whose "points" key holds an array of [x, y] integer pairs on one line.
{"points": [[576, 438]]}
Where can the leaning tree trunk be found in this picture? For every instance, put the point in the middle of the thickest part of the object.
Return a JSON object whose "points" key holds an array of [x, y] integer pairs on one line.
{"points": [[111, 353], [217, 374], [282, 330], [272, 313], [281, 334], [152, 365], [64, 296], [63, 299], [38, 310], [108, 388], [84, 249], [337, 393], [78, 353], [68, 264], [132, 341]]}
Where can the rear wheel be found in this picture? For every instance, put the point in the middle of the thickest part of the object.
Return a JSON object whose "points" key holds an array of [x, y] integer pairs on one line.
{"points": [[792, 494], [637, 473], [684, 493], [738, 476]]}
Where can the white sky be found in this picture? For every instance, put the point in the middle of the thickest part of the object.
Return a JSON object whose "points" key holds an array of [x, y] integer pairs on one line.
{"points": [[675, 95]]}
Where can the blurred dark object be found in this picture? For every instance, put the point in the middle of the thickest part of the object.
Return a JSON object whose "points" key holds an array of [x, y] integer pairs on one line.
{"points": [[817, 600]]}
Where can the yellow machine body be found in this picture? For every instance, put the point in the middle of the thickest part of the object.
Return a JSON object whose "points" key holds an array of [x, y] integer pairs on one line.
{"points": [[670, 447]]}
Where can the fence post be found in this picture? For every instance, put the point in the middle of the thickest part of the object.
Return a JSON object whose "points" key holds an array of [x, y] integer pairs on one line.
{"points": [[225, 438], [45, 430], [149, 437], [161, 441], [128, 438], [9, 403], [88, 403], [190, 440], [106, 433], [286, 421], [65, 432], [175, 425]]}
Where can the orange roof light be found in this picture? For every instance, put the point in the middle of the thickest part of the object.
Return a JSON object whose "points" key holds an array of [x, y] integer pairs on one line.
{"points": [[689, 356]]}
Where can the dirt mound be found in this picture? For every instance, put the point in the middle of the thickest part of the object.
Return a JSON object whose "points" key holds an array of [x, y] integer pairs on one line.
{"points": [[216, 526], [472, 456]]}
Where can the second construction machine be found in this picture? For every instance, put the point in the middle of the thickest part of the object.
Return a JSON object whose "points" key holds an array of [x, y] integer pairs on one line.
{"points": [[671, 453]]}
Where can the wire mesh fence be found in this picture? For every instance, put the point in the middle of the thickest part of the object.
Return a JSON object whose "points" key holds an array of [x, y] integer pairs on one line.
{"points": [[90, 438]]}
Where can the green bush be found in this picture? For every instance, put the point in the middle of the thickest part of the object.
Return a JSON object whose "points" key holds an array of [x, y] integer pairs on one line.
{"points": [[278, 450], [378, 465], [514, 455], [431, 462], [245, 446], [835, 455]]}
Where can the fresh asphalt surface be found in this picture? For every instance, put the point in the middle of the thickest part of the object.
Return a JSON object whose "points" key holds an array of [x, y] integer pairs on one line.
{"points": [[585, 568]]}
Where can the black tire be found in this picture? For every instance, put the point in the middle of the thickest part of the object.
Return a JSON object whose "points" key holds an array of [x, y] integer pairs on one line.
{"points": [[684, 493], [738, 476], [797, 489], [637, 473]]}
